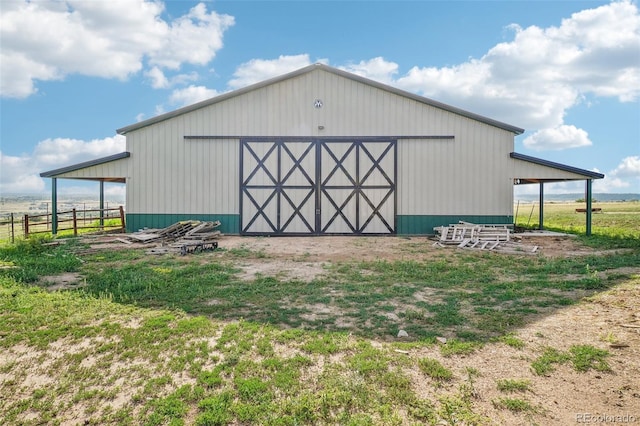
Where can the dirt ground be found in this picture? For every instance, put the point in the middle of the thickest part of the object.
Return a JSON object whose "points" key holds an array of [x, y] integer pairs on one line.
{"points": [[608, 320], [566, 396]]}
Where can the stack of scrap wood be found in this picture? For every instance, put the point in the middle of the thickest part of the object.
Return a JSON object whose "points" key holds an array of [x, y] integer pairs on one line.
{"points": [[201, 237], [479, 237], [181, 237]]}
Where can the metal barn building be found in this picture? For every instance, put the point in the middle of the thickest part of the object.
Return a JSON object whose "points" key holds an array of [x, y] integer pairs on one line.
{"points": [[320, 151]]}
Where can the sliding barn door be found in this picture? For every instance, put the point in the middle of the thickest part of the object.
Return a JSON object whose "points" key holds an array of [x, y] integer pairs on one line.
{"points": [[317, 186]]}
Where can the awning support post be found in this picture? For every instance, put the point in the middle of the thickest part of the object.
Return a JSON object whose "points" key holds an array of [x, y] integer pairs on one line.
{"points": [[101, 204], [588, 187], [54, 206], [541, 226]]}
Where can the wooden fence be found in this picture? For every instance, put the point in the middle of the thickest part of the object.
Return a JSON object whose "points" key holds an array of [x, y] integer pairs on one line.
{"points": [[74, 220]]}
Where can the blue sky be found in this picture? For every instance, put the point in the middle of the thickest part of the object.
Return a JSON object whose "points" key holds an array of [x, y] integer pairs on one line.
{"points": [[74, 71]]}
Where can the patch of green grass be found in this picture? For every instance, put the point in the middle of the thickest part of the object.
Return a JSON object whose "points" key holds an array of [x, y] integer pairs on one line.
{"points": [[324, 343], [253, 390], [582, 358], [369, 361], [513, 385], [457, 409], [609, 337], [244, 252], [434, 369], [456, 347], [544, 364], [215, 410], [170, 409], [512, 340], [32, 259], [448, 313], [516, 405], [586, 357]]}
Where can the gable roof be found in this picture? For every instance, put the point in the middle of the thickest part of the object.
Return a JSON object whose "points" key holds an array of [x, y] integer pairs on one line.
{"points": [[558, 166], [79, 166], [329, 69]]}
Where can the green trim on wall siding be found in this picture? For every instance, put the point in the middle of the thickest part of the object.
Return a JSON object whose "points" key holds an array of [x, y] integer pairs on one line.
{"points": [[423, 225], [229, 223]]}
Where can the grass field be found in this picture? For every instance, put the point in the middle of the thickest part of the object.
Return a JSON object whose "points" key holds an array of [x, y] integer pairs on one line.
{"points": [[158, 340], [617, 219]]}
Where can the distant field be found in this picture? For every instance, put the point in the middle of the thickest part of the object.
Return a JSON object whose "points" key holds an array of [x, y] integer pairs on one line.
{"points": [[615, 218]]}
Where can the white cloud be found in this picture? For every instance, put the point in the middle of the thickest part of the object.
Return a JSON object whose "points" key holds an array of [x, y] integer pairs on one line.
{"points": [[160, 81], [21, 174], [611, 185], [258, 70], [626, 176], [157, 77], [17, 175], [49, 39], [628, 167], [61, 152], [116, 192], [532, 80], [376, 69], [191, 95], [194, 38], [558, 138]]}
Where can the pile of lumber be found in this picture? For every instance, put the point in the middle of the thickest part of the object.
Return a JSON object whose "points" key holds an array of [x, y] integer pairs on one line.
{"points": [[201, 237], [181, 237], [480, 237]]}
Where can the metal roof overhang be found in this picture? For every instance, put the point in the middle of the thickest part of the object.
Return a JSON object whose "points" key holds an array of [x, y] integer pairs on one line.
{"points": [[101, 176], [569, 173], [75, 167], [529, 170]]}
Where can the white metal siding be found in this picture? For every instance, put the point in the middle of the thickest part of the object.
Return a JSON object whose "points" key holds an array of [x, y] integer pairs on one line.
{"points": [[171, 175], [469, 174], [464, 176]]}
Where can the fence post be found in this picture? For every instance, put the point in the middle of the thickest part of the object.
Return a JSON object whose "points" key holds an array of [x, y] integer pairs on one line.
{"points": [[124, 227], [26, 226], [75, 223], [12, 230]]}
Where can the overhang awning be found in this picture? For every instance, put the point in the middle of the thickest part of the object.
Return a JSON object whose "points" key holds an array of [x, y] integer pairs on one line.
{"points": [[527, 170], [105, 169], [113, 168]]}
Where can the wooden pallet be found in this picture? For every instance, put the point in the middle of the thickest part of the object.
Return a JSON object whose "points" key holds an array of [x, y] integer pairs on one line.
{"points": [[480, 237], [457, 233]]}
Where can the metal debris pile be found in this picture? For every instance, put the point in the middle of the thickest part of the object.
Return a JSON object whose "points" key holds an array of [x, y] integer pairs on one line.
{"points": [[182, 237], [481, 237]]}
